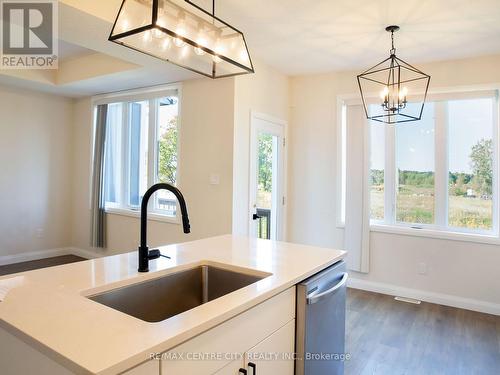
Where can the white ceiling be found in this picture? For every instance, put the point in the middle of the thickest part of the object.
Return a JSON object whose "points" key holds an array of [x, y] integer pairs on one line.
{"points": [[306, 36], [294, 36], [114, 68], [68, 51]]}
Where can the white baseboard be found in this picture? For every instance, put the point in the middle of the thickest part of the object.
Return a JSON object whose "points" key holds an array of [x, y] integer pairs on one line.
{"points": [[87, 254], [49, 253], [437, 298], [32, 255]]}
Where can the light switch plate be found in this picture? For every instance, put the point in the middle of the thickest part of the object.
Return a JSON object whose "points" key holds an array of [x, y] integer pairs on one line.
{"points": [[422, 268], [214, 179]]}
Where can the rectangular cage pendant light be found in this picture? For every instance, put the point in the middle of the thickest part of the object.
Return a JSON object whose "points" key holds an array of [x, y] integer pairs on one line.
{"points": [[402, 89], [184, 34]]}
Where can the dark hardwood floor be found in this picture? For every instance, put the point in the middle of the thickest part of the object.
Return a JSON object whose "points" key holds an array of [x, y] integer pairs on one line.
{"points": [[41, 263], [388, 337]]}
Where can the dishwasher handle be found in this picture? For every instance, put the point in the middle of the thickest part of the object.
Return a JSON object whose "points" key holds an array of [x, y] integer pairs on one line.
{"points": [[318, 297]]}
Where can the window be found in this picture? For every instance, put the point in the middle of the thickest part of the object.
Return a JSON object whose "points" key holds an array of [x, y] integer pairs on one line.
{"points": [[142, 149], [377, 172], [440, 173], [444, 168], [470, 197], [415, 170]]}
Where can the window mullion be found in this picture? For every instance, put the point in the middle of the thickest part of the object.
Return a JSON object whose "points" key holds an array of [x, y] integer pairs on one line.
{"points": [[390, 175], [125, 152], [152, 144], [441, 164], [495, 165]]}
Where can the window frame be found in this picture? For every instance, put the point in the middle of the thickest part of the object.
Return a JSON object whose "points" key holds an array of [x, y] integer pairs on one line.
{"points": [[152, 96], [440, 229]]}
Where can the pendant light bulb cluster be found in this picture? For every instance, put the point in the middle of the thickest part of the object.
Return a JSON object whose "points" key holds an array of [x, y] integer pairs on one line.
{"points": [[394, 98], [394, 79], [184, 34]]}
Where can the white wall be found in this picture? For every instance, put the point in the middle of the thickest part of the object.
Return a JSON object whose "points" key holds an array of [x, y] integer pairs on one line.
{"points": [[46, 147], [35, 178], [458, 269], [206, 145], [215, 120], [266, 91]]}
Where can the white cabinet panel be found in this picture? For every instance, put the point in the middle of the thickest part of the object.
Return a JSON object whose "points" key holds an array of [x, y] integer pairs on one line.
{"points": [[17, 357], [237, 335], [231, 369], [148, 368], [274, 355]]}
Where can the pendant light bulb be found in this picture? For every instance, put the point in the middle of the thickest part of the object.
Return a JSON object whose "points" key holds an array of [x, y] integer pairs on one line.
{"points": [[162, 15], [166, 44], [219, 50], [199, 51], [162, 22], [403, 94], [180, 31], [157, 33], [185, 52], [384, 93], [202, 42], [244, 56], [147, 36], [179, 42], [125, 24]]}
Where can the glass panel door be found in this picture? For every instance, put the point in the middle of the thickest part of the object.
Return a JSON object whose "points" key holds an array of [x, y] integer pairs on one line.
{"points": [[267, 155], [266, 187]]}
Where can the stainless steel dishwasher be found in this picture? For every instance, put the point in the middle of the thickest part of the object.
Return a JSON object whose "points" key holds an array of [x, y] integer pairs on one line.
{"points": [[320, 331]]}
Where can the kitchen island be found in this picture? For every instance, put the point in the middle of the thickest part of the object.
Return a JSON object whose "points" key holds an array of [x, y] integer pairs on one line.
{"points": [[49, 325]]}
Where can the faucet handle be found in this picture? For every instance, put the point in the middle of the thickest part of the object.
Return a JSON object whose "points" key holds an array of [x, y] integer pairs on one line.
{"points": [[154, 254]]}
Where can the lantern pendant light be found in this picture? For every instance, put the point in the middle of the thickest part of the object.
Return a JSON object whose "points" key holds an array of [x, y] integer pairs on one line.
{"points": [[401, 87], [184, 34]]}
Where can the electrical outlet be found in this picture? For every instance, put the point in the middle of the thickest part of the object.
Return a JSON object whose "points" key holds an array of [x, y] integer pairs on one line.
{"points": [[422, 268], [39, 233], [214, 179]]}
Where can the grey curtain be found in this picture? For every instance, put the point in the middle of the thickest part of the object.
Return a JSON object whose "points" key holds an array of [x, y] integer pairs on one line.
{"points": [[97, 214]]}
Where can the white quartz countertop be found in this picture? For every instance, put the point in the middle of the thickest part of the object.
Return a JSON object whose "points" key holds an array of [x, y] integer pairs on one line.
{"points": [[48, 308]]}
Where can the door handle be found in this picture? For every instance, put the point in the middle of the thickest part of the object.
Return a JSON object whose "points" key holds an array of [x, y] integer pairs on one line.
{"points": [[242, 371], [256, 217], [253, 366], [318, 297]]}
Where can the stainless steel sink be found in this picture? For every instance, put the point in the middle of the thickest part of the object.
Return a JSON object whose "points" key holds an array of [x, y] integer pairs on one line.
{"points": [[164, 297]]}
